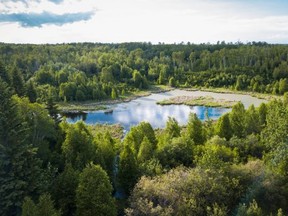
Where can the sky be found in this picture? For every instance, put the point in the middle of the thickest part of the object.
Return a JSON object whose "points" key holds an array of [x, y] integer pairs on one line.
{"points": [[165, 21]]}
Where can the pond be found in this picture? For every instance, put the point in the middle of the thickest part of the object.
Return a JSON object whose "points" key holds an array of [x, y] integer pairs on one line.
{"points": [[146, 109]]}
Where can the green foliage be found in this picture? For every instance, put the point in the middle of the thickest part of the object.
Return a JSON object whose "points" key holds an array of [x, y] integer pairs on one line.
{"points": [[113, 94], [237, 119], [216, 155], [285, 98], [252, 210], [31, 92], [136, 135], [78, 147], [181, 191], [283, 86], [33, 141], [106, 152], [64, 190], [145, 150], [249, 146], [223, 127], [28, 207], [94, 193], [172, 128], [274, 136], [252, 121], [128, 169], [20, 170], [262, 114], [195, 129], [139, 81], [172, 82], [45, 207], [17, 81], [175, 152]]}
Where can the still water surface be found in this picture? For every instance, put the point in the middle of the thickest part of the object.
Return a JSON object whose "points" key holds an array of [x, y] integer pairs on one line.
{"points": [[146, 109]]}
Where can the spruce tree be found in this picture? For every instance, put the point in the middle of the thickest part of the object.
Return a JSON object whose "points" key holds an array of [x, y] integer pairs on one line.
{"points": [[19, 168]]}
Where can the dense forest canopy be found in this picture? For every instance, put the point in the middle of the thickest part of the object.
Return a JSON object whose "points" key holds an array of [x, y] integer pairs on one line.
{"points": [[237, 165], [88, 71]]}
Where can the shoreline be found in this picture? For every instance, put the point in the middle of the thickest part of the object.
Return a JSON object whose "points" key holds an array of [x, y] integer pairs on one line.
{"points": [[258, 95], [82, 107], [86, 106]]}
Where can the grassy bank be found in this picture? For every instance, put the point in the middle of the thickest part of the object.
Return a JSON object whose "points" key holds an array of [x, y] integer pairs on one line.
{"points": [[198, 101], [105, 104], [258, 95]]}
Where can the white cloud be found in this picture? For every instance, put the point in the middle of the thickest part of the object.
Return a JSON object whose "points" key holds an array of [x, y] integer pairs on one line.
{"points": [[151, 20]]}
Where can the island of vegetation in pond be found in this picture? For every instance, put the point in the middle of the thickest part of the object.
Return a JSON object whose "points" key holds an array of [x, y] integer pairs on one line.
{"points": [[207, 101]]}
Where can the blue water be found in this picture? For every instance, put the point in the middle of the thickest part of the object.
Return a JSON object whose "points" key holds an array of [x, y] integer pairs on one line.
{"points": [[145, 109]]}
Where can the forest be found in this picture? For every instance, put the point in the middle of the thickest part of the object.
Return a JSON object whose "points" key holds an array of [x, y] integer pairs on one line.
{"points": [[236, 165]]}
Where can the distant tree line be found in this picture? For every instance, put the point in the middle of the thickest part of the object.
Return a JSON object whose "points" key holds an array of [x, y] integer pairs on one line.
{"points": [[87, 71]]}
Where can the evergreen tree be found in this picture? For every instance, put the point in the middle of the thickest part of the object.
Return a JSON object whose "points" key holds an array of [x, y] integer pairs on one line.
{"points": [[31, 92], [145, 150], [237, 120], [19, 167], [195, 129], [106, 152], [262, 110], [3, 73], [128, 169], [17, 81], [94, 193], [45, 207], [78, 148], [28, 207], [172, 128], [53, 110], [64, 190], [223, 127], [283, 86], [252, 122]]}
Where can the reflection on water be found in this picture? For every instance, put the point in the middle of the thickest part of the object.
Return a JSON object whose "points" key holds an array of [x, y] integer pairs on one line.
{"points": [[75, 116], [146, 109], [134, 112]]}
